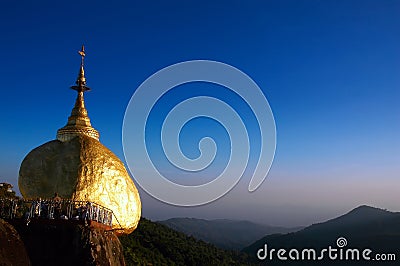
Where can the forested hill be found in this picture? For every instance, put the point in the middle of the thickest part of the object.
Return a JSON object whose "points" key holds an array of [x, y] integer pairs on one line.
{"points": [[156, 244], [362, 228]]}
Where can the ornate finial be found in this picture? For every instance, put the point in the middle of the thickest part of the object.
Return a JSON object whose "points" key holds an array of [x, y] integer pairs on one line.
{"points": [[81, 80], [82, 53]]}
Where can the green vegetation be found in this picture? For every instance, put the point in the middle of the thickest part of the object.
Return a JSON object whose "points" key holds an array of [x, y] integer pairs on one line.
{"points": [[6, 191], [156, 244]]}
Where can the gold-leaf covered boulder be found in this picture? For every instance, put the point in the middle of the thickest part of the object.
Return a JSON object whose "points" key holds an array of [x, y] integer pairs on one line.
{"points": [[82, 169], [78, 167]]}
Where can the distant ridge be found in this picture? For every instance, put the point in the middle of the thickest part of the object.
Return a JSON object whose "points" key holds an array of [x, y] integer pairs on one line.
{"points": [[224, 233], [358, 220], [363, 227]]}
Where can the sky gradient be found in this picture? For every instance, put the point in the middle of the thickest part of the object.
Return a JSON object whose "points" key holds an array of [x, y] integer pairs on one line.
{"points": [[329, 69]]}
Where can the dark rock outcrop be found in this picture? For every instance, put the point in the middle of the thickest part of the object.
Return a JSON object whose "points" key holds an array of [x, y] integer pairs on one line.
{"points": [[12, 249], [59, 242]]}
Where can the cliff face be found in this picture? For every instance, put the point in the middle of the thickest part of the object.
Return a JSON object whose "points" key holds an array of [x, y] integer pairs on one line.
{"points": [[68, 243], [12, 249]]}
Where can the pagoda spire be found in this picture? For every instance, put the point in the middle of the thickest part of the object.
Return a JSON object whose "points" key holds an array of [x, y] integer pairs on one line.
{"points": [[79, 121], [81, 80]]}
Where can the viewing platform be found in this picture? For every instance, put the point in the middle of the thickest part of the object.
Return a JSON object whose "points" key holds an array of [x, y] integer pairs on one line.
{"points": [[51, 211]]}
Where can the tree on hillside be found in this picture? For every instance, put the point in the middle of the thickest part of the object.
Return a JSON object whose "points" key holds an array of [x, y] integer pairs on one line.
{"points": [[6, 191]]}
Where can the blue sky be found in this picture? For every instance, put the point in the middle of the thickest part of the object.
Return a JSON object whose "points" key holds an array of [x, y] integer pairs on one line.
{"points": [[329, 69]]}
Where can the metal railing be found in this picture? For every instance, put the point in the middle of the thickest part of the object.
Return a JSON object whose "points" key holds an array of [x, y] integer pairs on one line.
{"points": [[55, 209]]}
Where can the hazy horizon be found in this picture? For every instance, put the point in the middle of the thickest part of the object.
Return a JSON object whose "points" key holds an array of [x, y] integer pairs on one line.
{"points": [[262, 222]]}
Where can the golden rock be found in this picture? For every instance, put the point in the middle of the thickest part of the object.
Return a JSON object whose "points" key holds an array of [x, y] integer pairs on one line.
{"points": [[78, 167], [85, 170]]}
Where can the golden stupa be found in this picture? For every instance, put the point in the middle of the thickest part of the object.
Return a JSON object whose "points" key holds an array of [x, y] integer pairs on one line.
{"points": [[78, 167]]}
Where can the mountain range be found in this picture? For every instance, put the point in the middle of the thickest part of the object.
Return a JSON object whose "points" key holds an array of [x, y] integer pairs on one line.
{"points": [[223, 233], [362, 228]]}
